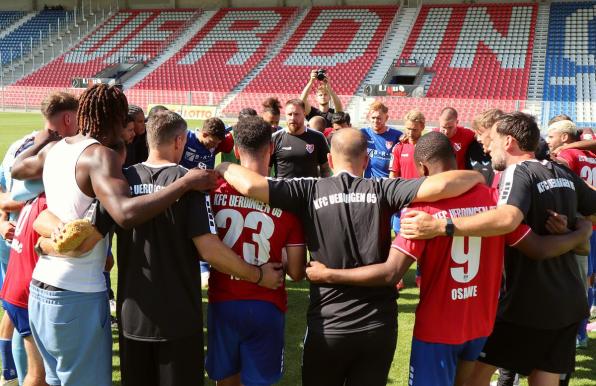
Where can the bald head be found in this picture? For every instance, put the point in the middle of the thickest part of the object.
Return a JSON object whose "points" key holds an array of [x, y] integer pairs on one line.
{"points": [[317, 123], [348, 145]]}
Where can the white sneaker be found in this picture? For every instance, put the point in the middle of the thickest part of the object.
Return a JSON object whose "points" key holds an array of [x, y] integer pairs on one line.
{"points": [[493, 383], [10, 382], [204, 279], [112, 306], [593, 312]]}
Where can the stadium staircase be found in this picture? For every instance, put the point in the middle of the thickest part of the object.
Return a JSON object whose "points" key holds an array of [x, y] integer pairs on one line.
{"points": [[193, 26], [536, 83], [393, 45], [276, 47], [570, 71]]}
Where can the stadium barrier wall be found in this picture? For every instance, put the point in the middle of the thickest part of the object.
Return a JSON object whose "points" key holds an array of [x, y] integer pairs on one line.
{"points": [[22, 98]]}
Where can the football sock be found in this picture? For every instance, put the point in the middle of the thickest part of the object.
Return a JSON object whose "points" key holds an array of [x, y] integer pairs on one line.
{"points": [[9, 370]]}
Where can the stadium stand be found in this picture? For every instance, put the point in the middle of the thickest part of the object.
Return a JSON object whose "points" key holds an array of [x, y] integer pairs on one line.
{"points": [[20, 41], [138, 34], [570, 71], [475, 51], [221, 54], [9, 17], [345, 41]]}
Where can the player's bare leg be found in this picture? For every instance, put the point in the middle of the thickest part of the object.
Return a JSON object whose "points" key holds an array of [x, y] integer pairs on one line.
{"points": [[543, 378], [464, 372], [36, 374], [234, 380], [481, 374]]}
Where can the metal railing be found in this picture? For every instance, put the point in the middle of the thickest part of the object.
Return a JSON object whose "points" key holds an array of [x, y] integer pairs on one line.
{"points": [[29, 99]]}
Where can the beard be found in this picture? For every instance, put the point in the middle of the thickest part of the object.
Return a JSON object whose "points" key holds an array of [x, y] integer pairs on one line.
{"points": [[499, 164]]}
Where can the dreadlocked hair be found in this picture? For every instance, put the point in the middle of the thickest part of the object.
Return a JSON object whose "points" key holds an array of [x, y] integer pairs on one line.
{"points": [[102, 112]]}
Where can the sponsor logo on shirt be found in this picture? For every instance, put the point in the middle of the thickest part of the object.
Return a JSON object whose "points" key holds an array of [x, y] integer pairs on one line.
{"points": [[286, 148], [310, 147], [553, 183], [344, 198], [590, 160], [405, 155]]}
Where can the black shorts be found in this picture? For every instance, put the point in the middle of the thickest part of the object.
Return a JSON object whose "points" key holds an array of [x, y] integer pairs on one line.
{"points": [[171, 363], [351, 360], [522, 349]]}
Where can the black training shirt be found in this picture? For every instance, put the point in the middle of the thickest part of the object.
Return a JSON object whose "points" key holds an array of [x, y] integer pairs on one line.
{"points": [[328, 115], [298, 155], [346, 220], [159, 278], [548, 294]]}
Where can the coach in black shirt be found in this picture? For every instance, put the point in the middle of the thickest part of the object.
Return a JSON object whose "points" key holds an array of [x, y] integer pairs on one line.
{"points": [[298, 151], [543, 301], [351, 330]]}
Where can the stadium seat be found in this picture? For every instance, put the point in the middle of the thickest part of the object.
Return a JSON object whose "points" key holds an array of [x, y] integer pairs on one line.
{"points": [[569, 76], [18, 42], [345, 41], [475, 51], [221, 54], [138, 34]]}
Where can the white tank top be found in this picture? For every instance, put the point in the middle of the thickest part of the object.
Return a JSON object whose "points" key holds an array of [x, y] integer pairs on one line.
{"points": [[66, 200]]}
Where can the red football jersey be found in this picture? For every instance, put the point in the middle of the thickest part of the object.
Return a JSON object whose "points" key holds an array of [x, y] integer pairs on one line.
{"points": [[22, 258], [402, 161], [461, 141], [462, 275], [225, 146], [257, 233], [582, 163]]}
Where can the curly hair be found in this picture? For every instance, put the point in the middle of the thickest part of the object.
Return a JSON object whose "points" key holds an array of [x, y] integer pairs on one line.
{"points": [[102, 112], [272, 105]]}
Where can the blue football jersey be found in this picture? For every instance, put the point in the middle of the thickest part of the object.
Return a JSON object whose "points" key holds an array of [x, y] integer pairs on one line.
{"points": [[380, 147]]}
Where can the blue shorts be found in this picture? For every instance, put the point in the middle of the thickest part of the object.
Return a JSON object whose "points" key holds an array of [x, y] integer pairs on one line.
{"points": [[246, 337], [73, 333], [592, 256], [19, 317], [436, 363]]}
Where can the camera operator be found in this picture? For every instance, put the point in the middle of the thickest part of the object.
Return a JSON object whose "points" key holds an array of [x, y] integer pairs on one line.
{"points": [[323, 95]]}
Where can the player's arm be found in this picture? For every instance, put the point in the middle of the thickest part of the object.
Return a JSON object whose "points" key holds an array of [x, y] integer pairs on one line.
{"points": [[29, 164], [225, 260], [306, 91], [502, 220], [112, 189], [447, 184], [581, 145], [246, 182], [336, 101], [325, 170], [7, 204], [49, 227], [296, 262], [374, 275], [6, 227], [545, 247]]}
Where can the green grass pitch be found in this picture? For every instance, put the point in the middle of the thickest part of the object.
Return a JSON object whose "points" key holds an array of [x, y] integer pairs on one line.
{"points": [[15, 125]]}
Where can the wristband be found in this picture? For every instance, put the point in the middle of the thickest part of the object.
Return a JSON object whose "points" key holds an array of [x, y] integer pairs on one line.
{"points": [[449, 227], [260, 275]]}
